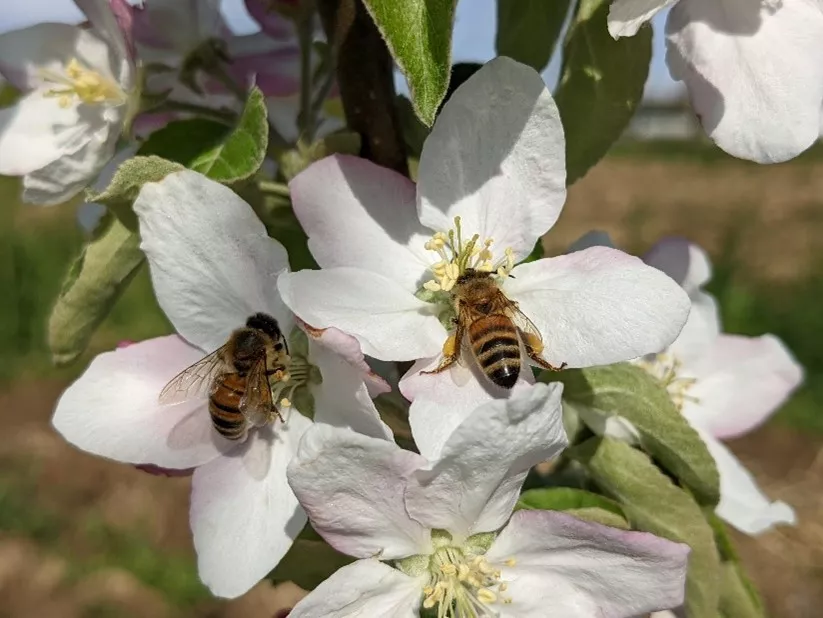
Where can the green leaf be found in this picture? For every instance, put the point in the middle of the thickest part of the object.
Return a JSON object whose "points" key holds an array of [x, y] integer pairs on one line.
{"points": [[736, 594], [241, 153], [183, 141], [414, 131], [527, 30], [629, 392], [127, 182], [419, 35], [651, 502], [739, 579], [309, 561], [92, 285], [537, 253], [578, 502], [601, 84]]}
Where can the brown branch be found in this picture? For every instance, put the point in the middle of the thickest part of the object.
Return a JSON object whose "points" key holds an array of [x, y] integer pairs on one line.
{"points": [[364, 76]]}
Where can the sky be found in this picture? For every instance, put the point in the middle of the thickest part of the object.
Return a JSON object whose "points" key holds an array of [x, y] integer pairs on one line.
{"points": [[475, 26]]}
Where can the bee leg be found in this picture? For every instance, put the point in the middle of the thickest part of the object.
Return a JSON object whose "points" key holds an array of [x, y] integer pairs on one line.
{"points": [[534, 347], [451, 351]]}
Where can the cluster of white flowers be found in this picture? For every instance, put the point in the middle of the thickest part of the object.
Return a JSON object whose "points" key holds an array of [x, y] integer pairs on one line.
{"points": [[89, 90], [434, 530]]}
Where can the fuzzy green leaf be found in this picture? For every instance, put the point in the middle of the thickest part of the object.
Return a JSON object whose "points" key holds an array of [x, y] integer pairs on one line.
{"points": [[651, 502], [183, 141], [629, 392], [309, 561], [93, 283], [736, 594], [578, 502], [241, 153], [527, 30], [601, 84], [419, 36], [127, 182]]}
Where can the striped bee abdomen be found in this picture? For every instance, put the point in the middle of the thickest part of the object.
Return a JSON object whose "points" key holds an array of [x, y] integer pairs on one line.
{"points": [[224, 406], [496, 347]]}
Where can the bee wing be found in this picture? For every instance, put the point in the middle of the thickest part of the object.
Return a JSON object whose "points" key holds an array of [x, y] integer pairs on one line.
{"points": [[528, 331], [194, 380], [256, 403]]}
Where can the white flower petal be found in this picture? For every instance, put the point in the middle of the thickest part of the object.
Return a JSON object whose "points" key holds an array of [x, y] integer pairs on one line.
{"points": [[564, 566], [689, 266], [754, 102], [388, 321], [75, 170], [626, 16], [598, 306], [742, 504], [352, 487], [244, 516], [442, 401], [212, 263], [37, 131], [497, 158], [359, 214], [475, 483], [365, 588], [342, 399], [741, 381], [347, 347], [28, 54], [102, 18], [112, 409]]}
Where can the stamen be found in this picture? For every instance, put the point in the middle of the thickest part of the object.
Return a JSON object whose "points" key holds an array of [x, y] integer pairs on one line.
{"points": [[666, 368], [87, 85]]}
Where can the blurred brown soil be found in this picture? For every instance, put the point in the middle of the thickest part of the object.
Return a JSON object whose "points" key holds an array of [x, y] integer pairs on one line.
{"points": [[774, 211]]}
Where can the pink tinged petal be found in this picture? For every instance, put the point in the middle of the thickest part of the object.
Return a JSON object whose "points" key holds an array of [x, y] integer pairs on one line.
{"points": [[741, 382], [244, 516], [388, 321], [273, 66], [347, 348], [598, 306], [496, 157], [475, 483], [108, 25], [342, 399], [179, 25], [742, 504], [27, 54], [442, 401], [626, 16], [359, 214], [754, 103], [271, 22], [365, 588], [212, 263], [112, 409], [352, 488], [564, 566], [36, 132], [64, 178]]}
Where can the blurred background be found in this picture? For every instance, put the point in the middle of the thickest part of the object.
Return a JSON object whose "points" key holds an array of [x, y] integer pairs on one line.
{"points": [[86, 538]]}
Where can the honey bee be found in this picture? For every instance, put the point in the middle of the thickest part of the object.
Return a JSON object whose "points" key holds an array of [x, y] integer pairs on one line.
{"points": [[494, 327], [237, 376]]}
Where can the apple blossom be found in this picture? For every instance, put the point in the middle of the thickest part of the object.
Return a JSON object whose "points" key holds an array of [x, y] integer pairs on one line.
{"points": [[754, 102], [491, 182], [725, 385], [439, 534], [80, 90], [212, 266]]}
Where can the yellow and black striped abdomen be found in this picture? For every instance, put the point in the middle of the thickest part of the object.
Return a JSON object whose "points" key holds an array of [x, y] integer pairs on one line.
{"points": [[495, 345], [224, 406]]}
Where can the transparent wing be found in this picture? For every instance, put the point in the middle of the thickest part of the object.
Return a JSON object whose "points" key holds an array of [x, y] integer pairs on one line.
{"points": [[528, 331], [194, 380], [256, 403]]}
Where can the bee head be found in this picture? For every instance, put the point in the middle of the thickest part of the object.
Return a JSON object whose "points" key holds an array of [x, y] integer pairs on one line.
{"points": [[265, 323]]}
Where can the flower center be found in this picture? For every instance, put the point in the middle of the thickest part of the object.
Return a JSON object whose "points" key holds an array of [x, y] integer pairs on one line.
{"points": [[458, 255], [294, 388], [462, 584], [666, 368], [87, 85]]}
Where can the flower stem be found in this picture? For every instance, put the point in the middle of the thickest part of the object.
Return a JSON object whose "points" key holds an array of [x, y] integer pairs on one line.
{"points": [[306, 118], [275, 188], [364, 74]]}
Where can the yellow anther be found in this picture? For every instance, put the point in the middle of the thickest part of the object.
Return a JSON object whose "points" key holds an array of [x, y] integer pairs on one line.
{"points": [[285, 403], [432, 286], [448, 569], [87, 85], [486, 596], [511, 562], [463, 572], [503, 587]]}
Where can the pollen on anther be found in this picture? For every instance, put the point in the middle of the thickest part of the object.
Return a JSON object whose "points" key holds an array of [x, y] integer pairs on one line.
{"points": [[511, 562], [486, 596], [285, 403]]}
